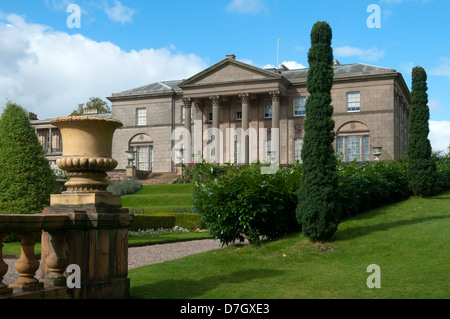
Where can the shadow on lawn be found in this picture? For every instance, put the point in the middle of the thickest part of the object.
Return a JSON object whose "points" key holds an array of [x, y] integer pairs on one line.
{"points": [[355, 232], [191, 288]]}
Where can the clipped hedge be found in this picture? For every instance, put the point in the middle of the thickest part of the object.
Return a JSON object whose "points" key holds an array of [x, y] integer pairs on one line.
{"points": [[442, 174], [143, 222], [367, 185], [189, 221]]}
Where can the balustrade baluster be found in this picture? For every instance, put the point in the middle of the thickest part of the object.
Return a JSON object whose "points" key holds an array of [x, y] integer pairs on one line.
{"points": [[56, 260], [27, 265], [3, 269]]}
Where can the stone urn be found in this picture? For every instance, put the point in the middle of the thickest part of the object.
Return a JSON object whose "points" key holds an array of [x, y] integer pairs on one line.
{"points": [[87, 151]]}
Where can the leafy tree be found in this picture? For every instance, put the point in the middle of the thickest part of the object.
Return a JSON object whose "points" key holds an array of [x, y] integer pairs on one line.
{"points": [[94, 103], [26, 180], [421, 167], [318, 209]]}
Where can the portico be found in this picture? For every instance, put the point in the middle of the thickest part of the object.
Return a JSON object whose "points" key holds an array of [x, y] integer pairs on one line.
{"points": [[244, 97]]}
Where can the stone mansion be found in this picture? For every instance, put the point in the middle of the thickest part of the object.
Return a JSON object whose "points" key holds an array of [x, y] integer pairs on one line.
{"points": [[371, 110]]}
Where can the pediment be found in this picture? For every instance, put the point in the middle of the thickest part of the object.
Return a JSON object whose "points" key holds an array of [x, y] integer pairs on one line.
{"points": [[229, 71]]}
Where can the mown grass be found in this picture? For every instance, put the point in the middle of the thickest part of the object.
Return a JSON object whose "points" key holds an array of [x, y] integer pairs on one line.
{"points": [[409, 240], [160, 198]]}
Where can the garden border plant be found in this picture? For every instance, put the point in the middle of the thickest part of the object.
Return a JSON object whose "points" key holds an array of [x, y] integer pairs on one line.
{"points": [[239, 202]]}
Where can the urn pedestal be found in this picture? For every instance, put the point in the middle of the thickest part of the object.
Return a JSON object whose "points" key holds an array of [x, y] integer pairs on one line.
{"points": [[98, 238], [87, 149]]}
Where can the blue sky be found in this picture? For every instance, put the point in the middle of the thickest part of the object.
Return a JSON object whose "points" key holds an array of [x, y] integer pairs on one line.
{"points": [[49, 68]]}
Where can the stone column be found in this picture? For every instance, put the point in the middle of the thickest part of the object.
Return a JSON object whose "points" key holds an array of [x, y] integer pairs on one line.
{"points": [[245, 125], [276, 123], [216, 125], [188, 126], [50, 133], [187, 114]]}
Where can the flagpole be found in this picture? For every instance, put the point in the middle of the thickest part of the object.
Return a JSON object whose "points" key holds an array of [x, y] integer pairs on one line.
{"points": [[278, 53]]}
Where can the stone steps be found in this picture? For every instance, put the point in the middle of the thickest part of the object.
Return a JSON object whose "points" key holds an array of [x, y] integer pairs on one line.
{"points": [[160, 178]]}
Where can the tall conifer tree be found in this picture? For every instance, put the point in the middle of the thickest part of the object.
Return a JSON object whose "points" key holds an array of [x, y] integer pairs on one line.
{"points": [[26, 180], [318, 209], [421, 167]]}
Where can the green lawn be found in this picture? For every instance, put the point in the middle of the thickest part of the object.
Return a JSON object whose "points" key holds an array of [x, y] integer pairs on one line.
{"points": [[160, 198], [408, 240]]}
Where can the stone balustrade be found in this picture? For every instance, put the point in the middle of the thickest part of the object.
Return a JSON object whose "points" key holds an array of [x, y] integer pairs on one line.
{"points": [[28, 228], [84, 226], [67, 237]]}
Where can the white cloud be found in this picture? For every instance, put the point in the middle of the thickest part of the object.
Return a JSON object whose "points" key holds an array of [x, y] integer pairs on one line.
{"points": [[369, 55], [291, 65], [246, 6], [119, 13], [443, 69], [439, 135], [50, 73]]}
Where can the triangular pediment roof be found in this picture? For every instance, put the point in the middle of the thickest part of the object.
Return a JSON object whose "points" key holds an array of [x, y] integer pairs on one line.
{"points": [[228, 71]]}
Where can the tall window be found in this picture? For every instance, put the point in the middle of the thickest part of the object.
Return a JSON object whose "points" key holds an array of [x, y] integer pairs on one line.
{"points": [[144, 157], [299, 106], [238, 109], [141, 117], [268, 109], [353, 102], [143, 146], [354, 147], [210, 113], [298, 145]]}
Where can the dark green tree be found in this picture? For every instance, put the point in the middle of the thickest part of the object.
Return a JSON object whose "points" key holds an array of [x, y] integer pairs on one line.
{"points": [[26, 179], [421, 167], [318, 209], [95, 103]]}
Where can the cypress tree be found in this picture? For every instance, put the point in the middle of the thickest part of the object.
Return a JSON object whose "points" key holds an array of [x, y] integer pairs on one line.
{"points": [[26, 179], [318, 209], [421, 167]]}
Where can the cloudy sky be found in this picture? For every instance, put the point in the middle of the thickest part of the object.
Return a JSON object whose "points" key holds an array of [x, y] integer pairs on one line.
{"points": [[53, 57]]}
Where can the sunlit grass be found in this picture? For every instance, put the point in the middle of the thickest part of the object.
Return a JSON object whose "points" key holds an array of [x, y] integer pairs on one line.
{"points": [[408, 240], [160, 198]]}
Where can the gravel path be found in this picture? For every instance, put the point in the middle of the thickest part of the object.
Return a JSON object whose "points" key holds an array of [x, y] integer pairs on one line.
{"points": [[141, 256]]}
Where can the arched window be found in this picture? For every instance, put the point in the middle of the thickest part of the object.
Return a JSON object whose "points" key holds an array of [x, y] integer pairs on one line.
{"points": [[142, 144], [353, 142]]}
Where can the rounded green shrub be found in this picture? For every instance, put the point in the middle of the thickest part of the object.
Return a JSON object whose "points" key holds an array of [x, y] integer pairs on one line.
{"points": [[125, 187], [26, 179], [241, 203]]}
